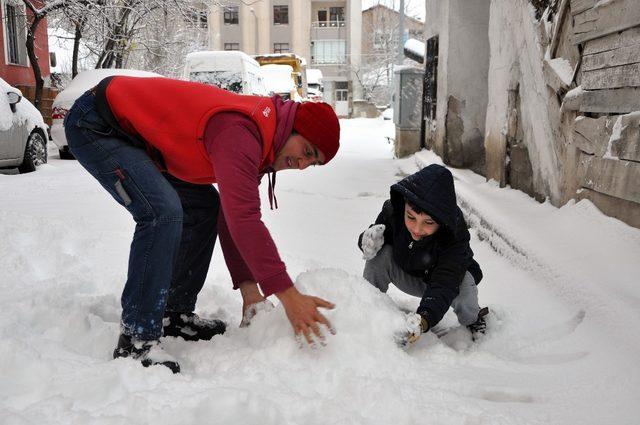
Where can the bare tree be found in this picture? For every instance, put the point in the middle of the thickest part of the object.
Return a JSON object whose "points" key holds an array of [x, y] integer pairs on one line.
{"points": [[38, 14]]}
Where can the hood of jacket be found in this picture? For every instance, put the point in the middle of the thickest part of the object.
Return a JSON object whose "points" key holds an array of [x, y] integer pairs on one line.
{"points": [[432, 190]]}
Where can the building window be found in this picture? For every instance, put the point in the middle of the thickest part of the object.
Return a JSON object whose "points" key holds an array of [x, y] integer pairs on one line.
{"points": [[16, 27], [329, 52], [231, 46], [280, 15], [342, 91], [197, 18], [336, 16], [322, 18], [379, 40], [280, 47], [231, 15]]}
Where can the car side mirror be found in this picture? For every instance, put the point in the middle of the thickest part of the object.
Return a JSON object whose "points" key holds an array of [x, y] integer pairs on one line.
{"points": [[13, 98]]}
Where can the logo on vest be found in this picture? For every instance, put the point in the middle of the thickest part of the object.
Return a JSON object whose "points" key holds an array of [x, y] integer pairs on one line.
{"points": [[266, 111]]}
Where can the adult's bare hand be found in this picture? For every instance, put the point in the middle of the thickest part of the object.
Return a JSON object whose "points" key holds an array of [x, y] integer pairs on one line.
{"points": [[302, 311]]}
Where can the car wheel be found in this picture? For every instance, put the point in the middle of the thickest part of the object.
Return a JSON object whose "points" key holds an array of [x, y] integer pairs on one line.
{"points": [[35, 153], [65, 153]]}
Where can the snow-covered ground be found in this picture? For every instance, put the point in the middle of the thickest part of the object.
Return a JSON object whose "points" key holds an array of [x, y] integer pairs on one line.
{"points": [[562, 284]]}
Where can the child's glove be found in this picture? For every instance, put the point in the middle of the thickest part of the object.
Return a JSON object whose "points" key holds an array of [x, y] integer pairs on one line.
{"points": [[372, 241], [415, 325], [420, 326]]}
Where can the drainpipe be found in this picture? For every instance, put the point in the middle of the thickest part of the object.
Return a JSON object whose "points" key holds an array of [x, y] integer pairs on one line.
{"points": [[401, 34], [253, 12]]}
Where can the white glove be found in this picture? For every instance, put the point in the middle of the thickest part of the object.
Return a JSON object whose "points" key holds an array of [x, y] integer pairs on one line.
{"points": [[415, 325], [372, 241]]}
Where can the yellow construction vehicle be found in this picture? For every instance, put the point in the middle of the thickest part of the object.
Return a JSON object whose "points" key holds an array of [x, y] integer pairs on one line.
{"points": [[297, 63]]}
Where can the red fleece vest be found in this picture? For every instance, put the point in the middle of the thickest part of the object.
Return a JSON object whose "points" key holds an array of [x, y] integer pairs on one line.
{"points": [[171, 115]]}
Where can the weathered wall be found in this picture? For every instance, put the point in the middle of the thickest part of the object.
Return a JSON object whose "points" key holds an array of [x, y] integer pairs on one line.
{"points": [[463, 62], [561, 92], [467, 87], [606, 132], [516, 65]]}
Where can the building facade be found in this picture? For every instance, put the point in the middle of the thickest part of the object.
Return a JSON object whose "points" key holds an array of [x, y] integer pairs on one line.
{"points": [[15, 67], [542, 96], [326, 33]]}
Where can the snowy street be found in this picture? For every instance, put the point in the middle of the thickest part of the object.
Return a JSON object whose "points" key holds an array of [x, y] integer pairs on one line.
{"points": [[562, 284]]}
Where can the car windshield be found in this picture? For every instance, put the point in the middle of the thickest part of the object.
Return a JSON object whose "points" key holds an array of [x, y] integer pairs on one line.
{"points": [[228, 80]]}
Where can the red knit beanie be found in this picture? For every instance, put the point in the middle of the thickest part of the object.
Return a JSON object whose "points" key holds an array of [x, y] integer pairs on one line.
{"points": [[317, 123]]}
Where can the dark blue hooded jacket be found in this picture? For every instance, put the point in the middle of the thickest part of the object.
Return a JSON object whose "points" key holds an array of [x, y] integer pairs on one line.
{"points": [[441, 259]]}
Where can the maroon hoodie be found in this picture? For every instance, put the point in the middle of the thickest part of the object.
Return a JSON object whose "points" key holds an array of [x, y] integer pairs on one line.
{"points": [[234, 146]]}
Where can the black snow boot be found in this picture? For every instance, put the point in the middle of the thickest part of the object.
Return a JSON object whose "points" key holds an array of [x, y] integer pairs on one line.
{"points": [[479, 327], [191, 327], [149, 353]]}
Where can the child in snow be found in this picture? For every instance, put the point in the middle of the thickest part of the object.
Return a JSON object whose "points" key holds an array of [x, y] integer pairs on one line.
{"points": [[420, 243]]}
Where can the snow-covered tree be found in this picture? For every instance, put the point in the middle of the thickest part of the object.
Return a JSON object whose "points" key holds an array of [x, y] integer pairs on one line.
{"points": [[382, 38]]}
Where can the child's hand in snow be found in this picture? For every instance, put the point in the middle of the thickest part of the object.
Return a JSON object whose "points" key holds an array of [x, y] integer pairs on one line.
{"points": [[249, 311], [372, 241], [415, 326]]}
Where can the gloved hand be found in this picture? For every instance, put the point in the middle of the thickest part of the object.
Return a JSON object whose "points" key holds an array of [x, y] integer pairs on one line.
{"points": [[372, 241], [415, 326]]}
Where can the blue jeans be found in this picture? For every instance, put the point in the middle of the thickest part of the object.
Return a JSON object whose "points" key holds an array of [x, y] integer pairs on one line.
{"points": [[176, 221]]}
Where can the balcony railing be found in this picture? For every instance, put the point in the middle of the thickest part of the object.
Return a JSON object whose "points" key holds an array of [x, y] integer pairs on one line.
{"points": [[339, 60], [328, 24]]}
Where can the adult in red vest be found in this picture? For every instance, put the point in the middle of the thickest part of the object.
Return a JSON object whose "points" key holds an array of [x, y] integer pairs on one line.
{"points": [[157, 145]]}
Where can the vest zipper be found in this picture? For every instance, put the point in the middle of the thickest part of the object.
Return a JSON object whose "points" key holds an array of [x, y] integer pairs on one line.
{"points": [[411, 245]]}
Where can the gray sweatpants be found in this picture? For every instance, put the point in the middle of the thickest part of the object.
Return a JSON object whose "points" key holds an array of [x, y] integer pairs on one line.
{"points": [[382, 270]]}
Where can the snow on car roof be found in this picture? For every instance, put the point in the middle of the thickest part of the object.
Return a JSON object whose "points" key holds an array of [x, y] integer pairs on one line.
{"points": [[217, 60], [314, 76], [87, 79], [25, 111], [277, 78]]}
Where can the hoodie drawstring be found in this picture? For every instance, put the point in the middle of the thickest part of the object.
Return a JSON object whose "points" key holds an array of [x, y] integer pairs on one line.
{"points": [[271, 176]]}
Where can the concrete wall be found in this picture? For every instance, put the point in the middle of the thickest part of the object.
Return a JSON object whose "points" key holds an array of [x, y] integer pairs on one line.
{"points": [[467, 87], [281, 33], [517, 70], [463, 64]]}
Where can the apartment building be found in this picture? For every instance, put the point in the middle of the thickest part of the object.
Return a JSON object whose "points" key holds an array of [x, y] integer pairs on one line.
{"points": [[326, 33]]}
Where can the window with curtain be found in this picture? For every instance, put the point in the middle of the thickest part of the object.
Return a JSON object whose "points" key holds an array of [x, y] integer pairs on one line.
{"points": [[231, 15], [16, 27], [329, 51], [336, 16], [280, 47], [280, 15]]}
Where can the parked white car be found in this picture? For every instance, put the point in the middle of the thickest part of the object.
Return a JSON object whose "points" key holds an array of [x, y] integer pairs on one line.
{"points": [[277, 80], [23, 133], [315, 89], [66, 98], [230, 70]]}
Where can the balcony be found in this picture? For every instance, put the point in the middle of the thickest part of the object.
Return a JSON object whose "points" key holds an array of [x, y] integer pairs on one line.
{"points": [[328, 24], [329, 30]]}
